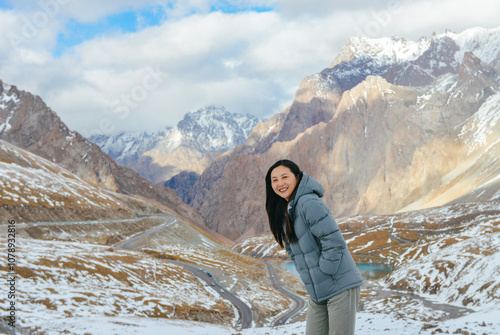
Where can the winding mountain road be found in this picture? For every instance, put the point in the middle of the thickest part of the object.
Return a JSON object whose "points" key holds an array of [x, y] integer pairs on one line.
{"points": [[298, 302], [245, 320], [134, 242]]}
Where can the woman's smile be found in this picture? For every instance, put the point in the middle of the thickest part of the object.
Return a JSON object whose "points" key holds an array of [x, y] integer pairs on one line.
{"points": [[283, 182]]}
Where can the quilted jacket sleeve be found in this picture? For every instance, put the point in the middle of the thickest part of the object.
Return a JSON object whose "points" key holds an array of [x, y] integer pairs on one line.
{"points": [[327, 233]]}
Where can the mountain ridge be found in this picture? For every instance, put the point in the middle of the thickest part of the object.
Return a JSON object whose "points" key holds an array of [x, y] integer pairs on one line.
{"points": [[198, 139], [382, 147]]}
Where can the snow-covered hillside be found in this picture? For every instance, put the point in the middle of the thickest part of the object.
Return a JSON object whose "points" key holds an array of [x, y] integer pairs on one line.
{"points": [[483, 124], [445, 256], [457, 258], [96, 278], [35, 189], [65, 280], [31, 180], [80, 288], [366, 324], [450, 254]]}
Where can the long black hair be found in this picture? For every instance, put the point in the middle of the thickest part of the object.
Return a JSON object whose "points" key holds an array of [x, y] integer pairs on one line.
{"points": [[276, 206]]}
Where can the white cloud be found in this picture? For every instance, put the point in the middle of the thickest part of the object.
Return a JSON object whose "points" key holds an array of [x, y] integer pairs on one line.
{"points": [[248, 61]]}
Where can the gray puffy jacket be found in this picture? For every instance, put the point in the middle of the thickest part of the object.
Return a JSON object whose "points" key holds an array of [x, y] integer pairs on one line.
{"points": [[321, 255]]}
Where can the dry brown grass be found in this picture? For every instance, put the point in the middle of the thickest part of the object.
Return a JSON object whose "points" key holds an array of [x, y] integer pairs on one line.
{"points": [[47, 303], [219, 313], [444, 267], [485, 286], [128, 259], [410, 235], [25, 272], [379, 239]]}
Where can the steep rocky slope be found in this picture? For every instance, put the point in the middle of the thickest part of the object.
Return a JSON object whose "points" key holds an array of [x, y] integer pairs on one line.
{"points": [[387, 147], [28, 123], [35, 189]]}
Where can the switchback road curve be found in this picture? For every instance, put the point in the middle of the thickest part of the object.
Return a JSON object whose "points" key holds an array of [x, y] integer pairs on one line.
{"points": [[134, 242], [298, 303], [245, 320]]}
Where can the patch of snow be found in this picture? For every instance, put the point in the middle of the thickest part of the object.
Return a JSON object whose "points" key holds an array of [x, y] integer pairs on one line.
{"points": [[484, 43], [477, 129], [6, 125]]}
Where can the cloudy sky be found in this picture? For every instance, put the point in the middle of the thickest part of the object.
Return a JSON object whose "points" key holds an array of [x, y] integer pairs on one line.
{"points": [[107, 66]]}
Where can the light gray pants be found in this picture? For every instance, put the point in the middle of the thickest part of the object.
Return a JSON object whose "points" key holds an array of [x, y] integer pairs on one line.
{"points": [[336, 317]]}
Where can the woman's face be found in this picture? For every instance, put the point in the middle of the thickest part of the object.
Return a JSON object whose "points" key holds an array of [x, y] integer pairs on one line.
{"points": [[283, 181]]}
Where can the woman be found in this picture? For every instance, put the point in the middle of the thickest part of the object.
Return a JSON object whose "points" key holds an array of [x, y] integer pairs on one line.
{"points": [[302, 223]]}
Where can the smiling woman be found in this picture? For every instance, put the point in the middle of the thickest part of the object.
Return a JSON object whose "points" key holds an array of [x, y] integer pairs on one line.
{"points": [[302, 222], [283, 182]]}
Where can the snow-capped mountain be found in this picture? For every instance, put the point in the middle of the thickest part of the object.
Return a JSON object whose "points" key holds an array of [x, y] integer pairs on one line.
{"points": [[213, 129], [209, 129], [190, 146], [411, 63], [128, 146], [392, 125]]}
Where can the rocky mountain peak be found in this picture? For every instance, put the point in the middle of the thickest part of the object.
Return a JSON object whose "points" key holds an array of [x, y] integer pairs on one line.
{"points": [[213, 128], [371, 89], [387, 49], [412, 63], [9, 98], [191, 146], [484, 43], [472, 67], [439, 58]]}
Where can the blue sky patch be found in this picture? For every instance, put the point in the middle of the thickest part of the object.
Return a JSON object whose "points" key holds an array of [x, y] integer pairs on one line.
{"points": [[5, 5], [76, 32], [237, 6]]}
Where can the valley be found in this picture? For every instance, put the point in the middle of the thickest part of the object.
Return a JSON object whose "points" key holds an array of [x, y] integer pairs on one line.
{"points": [[162, 267], [131, 262], [403, 135]]}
